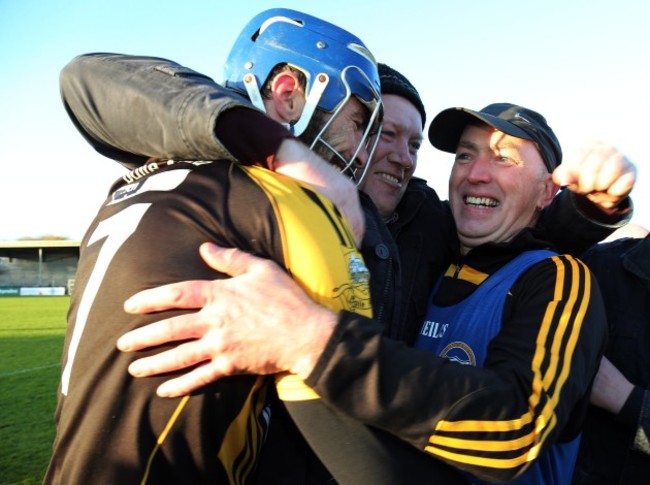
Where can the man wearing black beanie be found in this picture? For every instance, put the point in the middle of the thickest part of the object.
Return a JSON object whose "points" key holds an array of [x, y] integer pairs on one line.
{"points": [[394, 82], [395, 158], [407, 204]]}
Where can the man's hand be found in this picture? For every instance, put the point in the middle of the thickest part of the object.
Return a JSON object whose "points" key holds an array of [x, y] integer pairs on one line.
{"points": [[602, 174], [295, 160], [258, 322]]}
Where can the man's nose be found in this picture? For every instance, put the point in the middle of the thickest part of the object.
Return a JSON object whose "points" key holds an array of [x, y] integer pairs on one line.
{"points": [[404, 156], [479, 170], [362, 156]]}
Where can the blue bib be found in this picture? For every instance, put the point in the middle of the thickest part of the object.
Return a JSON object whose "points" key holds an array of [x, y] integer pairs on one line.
{"points": [[462, 332]]}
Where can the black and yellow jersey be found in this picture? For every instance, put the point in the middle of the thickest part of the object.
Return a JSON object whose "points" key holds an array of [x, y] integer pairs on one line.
{"points": [[112, 428]]}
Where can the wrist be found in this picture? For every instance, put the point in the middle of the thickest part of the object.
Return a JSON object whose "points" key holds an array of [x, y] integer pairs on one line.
{"points": [[250, 136], [629, 412], [317, 337], [605, 213]]}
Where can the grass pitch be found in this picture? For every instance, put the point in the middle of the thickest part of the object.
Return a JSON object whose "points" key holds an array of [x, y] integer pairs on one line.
{"points": [[31, 340]]}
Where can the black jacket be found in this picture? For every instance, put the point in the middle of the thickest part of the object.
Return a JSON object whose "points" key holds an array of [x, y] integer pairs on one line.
{"points": [[615, 449]]}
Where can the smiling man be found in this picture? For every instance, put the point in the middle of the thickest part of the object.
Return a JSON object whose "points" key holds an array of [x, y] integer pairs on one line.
{"points": [[501, 178], [396, 157], [538, 311]]}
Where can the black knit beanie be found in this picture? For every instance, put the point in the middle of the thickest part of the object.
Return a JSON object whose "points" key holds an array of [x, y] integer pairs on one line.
{"points": [[393, 82]]}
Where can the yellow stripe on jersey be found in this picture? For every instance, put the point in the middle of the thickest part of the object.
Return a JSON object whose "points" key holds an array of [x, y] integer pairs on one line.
{"points": [[320, 254], [555, 345], [244, 437], [163, 436], [291, 388], [318, 245], [466, 273]]}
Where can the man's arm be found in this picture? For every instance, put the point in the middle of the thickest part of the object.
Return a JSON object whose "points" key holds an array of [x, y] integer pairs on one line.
{"points": [[631, 404], [408, 392], [595, 201], [447, 409], [132, 108]]}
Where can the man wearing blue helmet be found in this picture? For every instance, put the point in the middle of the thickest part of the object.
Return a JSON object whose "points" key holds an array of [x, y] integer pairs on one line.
{"points": [[112, 428], [332, 66]]}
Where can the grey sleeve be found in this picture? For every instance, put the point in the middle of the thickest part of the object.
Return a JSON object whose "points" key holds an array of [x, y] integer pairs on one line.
{"points": [[131, 108]]}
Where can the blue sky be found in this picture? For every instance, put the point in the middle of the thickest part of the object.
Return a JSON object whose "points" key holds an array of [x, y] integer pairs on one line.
{"points": [[582, 63]]}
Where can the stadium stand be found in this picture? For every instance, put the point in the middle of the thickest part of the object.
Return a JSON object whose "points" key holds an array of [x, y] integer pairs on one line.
{"points": [[37, 264]]}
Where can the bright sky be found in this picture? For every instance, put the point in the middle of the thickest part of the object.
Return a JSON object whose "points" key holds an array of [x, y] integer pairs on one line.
{"points": [[582, 63]]}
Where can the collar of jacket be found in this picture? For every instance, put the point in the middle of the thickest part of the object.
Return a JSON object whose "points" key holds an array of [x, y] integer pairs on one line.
{"points": [[412, 200], [637, 259]]}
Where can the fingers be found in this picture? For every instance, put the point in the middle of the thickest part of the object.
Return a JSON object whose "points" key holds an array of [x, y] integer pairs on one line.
{"points": [[184, 295], [623, 185], [192, 354], [563, 175], [601, 172], [178, 358], [190, 294], [603, 166], [232, 261], [183, 327], [180, 386]]}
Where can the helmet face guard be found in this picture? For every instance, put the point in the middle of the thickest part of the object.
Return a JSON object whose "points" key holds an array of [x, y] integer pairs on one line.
{"points": [[360, 87], [336, 64]]}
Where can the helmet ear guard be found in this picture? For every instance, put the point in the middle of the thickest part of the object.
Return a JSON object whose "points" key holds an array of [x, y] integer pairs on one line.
{"points": [[335, 63], [313, 98], [253, 91]]}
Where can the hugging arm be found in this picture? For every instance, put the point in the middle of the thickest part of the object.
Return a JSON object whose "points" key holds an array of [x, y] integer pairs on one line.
{"points": [[407, 392], [614, 393], [133, 108]]}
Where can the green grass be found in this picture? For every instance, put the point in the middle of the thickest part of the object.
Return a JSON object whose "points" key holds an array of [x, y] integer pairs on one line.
{"points": [[31, 340]]}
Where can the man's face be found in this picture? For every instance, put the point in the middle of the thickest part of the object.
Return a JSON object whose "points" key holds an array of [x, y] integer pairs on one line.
{"points": [[344, 134], [396, 154], [497, 184]]}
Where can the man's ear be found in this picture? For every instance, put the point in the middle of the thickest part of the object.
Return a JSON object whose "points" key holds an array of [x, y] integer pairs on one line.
{"points": [[550, 189], [288, 96]]}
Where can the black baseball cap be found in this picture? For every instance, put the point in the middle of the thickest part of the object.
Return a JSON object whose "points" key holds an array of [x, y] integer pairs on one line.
{"points": [[447, 127]]}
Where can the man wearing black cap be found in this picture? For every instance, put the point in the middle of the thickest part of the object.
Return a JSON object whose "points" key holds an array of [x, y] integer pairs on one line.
{"points": [[537, 310], [515, 409]]}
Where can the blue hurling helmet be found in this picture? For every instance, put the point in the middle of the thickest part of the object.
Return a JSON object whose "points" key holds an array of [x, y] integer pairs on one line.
{"points": [[336, 64]]}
